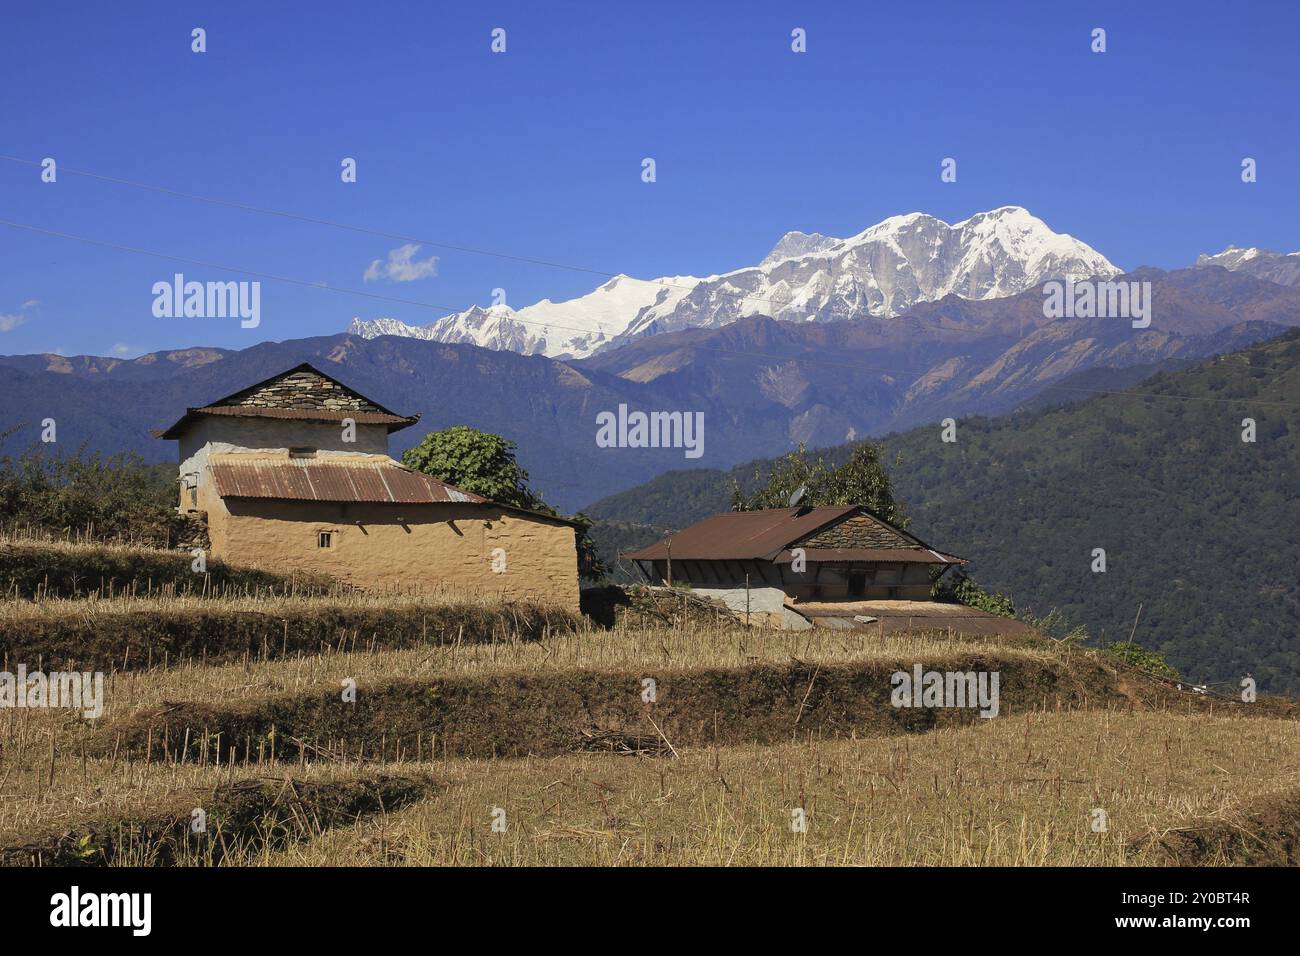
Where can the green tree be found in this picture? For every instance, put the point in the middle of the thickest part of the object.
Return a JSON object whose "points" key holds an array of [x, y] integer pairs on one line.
{"points": [[485, 464], [861, 480], [474, 461]]}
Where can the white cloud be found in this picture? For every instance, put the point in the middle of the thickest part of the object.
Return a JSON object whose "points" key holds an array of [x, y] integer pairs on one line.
{"points": [[11, 320], [121, 348], [401, 266]]}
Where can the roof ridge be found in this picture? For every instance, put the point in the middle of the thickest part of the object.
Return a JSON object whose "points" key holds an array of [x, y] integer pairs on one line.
{"points": [[770, 532]]}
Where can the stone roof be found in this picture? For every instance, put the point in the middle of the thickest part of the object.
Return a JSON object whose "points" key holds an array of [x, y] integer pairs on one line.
{"points": [[304, 393]]}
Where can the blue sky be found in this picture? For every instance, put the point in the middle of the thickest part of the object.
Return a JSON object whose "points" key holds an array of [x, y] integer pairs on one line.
{"points": [[537, 152]]}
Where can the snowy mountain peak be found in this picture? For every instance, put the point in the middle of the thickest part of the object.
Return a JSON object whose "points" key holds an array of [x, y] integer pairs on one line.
{"points": [[1232, 257], [882, 271], [795, 244], [570, 329], [1280, 267]]}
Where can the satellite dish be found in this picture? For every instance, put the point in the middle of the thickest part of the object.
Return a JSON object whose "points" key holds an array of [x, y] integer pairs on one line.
{"points": [[798, 495]]}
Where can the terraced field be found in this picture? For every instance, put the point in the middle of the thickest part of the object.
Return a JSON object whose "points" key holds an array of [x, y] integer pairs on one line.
{"points": [[412, 732]]}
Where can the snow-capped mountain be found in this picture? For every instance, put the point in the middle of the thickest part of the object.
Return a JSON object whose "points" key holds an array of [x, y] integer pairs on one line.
{"points": [[882, 271], [885, 270], [572, 329], [1279, 267]]}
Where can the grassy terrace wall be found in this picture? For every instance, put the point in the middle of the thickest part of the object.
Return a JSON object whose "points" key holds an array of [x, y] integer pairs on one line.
{"points": [[245, 819], [494, 714], [51, 569], [1263, 832], [135, 634]]}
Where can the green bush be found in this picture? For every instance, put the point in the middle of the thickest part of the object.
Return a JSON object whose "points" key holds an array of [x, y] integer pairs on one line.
{"points": [[1133, 654], [959, 588], [89, 495]]}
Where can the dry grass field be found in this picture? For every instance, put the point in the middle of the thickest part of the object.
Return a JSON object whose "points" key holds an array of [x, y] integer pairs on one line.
{"points": [[345, 729], [1020, 791]]}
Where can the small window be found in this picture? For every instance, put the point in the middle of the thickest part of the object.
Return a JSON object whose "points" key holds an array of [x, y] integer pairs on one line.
{"points": [[325, 539], [857, 583], [302, 452]]}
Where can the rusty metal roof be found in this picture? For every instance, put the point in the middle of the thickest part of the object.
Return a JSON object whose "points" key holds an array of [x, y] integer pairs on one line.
{"points": [[314, 480], [767, 536]]}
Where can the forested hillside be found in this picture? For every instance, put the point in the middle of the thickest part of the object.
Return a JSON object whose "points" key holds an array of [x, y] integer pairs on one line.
{"points": [[1201, 529]]}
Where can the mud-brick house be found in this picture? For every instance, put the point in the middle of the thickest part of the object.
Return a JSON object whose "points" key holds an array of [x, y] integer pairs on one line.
{"points": [[294, 472], [801, 567]]}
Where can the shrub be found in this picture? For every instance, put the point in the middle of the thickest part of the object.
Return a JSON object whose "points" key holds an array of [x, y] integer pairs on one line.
{"points": [[89, 495], [961, 589], [1144, 659]]}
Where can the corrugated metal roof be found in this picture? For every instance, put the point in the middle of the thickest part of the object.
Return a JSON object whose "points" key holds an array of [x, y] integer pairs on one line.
{"points": [[314, 480], [765, 535]]}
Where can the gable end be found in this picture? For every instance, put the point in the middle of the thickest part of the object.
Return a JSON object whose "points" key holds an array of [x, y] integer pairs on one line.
{"points": [[857, 531], [302, 389]]}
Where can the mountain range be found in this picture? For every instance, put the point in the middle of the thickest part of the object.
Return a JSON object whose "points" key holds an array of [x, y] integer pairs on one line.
{"points": [[882, 271], [1282, 268], [943, 333]]}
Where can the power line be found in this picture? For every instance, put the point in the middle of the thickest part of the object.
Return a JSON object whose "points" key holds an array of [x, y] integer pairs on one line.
{"points": [[399, 237], [366, 230], [103, 243], [316, 220], [311, 284]]}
